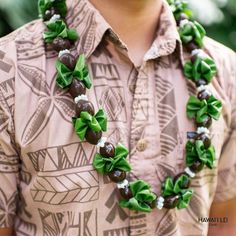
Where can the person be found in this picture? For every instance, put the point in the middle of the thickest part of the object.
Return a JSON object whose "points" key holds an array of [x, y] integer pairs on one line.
{"points": [[135, 59]]}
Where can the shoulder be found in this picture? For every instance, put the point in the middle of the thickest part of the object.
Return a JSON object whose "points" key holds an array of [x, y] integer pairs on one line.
{"points": [[223, 55], [24, 39], [22, 45], [28, 32], [225, 59]]}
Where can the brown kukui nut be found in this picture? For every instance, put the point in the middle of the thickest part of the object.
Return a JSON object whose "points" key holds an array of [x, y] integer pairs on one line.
{"points": [[93, 137], [206, 123], [68, 60], [201, 82], [126, 192], [206, 139], [203, 95], [60, 44], [197, 166], [191, 46], [49, 13], [84, 106], [77, 88], [108, 150], [117, 175], [171, 201]]}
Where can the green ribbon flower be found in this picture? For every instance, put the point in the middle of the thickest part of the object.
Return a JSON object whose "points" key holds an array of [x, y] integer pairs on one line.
{"points": [[59, 5], [170, 188], [58, 28], [105, 165], [197, 151], [192, 31], [65, 76], [96, 123], [142, 197], [201, 109], [201, 68]]}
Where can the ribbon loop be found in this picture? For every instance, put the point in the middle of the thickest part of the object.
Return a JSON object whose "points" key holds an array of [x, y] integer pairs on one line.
{"points": [[200, 109], [105, 165], [170, 187], [142, 197], [197, 151], [85, 121], [65, 76], [201, 68], [59, 29], [192, 32]]}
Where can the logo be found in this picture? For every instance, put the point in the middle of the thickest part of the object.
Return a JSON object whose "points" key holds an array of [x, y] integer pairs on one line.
{"points": [[213, 221]]}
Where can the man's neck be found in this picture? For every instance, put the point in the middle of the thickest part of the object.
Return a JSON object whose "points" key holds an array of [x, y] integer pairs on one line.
{"points": [[135, 21]]}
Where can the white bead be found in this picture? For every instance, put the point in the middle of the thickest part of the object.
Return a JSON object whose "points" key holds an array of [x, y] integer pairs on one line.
{"points": [[196, 52], [184, 22], [55, 18], [199, 53], [101, 142], [201, 130], [160, 199], [189, 172], [123, 184], [81, 97], [201, 88], [62, 52], [160, 205]]}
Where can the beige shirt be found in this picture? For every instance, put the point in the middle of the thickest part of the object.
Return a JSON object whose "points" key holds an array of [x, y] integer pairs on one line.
{"points": [[47, 180]]}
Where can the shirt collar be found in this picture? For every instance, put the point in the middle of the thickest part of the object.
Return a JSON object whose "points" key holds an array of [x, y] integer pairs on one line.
{"points": [[91, 26]]}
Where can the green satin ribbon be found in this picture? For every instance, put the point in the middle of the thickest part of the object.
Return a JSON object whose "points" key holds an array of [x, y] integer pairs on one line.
{"points": [[197, 151], [105, 165], [96, 123], [201, 109], [142, 197], [57, 29], [170, 188], [65, 76], [192, 32], [59, 5], [202, 68]]}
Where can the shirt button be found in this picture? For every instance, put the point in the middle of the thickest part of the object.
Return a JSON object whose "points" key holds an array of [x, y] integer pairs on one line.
{"points": [[141, 145]]}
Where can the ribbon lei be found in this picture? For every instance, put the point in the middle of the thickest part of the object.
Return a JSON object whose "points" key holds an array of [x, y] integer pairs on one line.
{"points": [[201, 109], [142, 197], [170, 188], [197, 151], [105, 165], [96, 123], [65, 76]]}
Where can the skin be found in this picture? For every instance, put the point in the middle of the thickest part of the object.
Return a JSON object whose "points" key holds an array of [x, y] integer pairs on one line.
{"points": [[6, 231], [221, 210], [138, 19], [132, 20]]}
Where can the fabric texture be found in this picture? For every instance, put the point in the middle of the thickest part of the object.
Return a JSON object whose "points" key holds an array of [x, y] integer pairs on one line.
{"points": [[48, 184]]}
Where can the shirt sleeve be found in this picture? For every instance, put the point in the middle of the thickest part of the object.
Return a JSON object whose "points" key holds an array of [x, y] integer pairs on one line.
{"points": [[9, 158], [226, 185]]}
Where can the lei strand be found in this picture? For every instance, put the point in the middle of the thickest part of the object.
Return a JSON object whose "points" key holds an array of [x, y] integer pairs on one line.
{"points": [[73, 74]]}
